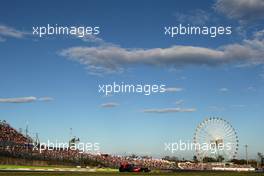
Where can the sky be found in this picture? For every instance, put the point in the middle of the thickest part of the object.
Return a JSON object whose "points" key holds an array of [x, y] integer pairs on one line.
{"points": [[51, 83]]}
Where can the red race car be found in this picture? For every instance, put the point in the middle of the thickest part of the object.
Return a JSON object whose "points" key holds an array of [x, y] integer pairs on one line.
{"points": [[125, 167]]}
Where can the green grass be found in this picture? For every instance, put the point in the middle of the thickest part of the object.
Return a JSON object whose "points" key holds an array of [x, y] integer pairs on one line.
{"points": [[30, 167], [106, 170], [14, 167], [110, 172], [129, 174]]}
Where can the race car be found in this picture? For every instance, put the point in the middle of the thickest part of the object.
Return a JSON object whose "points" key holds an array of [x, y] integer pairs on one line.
{"points": [[126, 167]]}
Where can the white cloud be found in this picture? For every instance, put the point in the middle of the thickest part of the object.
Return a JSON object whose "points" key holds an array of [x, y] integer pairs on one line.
{"points": [[45, 99], [242, 10], [24, 99], [18, 100], [197, 17], [173, 89], [93, 39], [169, 110], [238, 106], [9, 32], [179, 102], [224, 89], [109, 105], [251, 88], [107, 59], [112, 59], [259, 34]]}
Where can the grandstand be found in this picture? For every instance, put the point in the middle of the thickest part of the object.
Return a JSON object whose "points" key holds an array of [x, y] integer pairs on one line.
{"points": [[214, 166], [10, 136], [14, 144]]}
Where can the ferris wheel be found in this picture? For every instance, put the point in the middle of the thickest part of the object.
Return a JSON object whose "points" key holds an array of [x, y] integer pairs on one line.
{"points": [[215, 137]]}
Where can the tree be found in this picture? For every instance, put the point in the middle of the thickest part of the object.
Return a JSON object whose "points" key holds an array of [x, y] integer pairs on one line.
{"points": [[195, 159], [239, 161], [261, 158], [173, 158], [133, 156], [220, 158], [209, 159], [146, 157]]}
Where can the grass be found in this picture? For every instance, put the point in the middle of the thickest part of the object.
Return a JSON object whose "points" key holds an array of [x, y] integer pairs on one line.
{"points": [[16, 167], [129, 174], [30, 167], [109, 172]]}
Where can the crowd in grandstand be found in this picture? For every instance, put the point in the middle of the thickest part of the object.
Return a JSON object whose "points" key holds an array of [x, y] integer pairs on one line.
{"points": [[194, 166], [9, 134], [115, 161], [15, 144], [212, 166]]}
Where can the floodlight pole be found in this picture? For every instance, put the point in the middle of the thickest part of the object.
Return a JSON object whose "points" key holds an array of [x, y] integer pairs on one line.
{"points": [[246, 147]]}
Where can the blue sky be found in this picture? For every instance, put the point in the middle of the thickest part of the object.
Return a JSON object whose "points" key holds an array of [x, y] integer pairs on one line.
{"points": [[33, 68]]}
